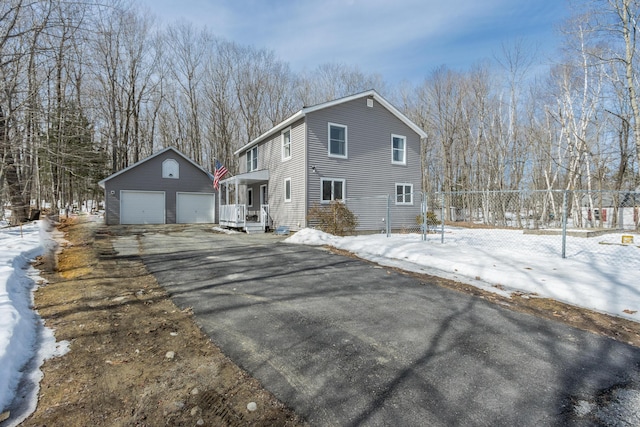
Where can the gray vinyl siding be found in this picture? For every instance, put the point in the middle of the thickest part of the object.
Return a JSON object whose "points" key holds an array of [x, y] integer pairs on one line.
{"points": [[292, 213], [147, 176], [368, 170]]}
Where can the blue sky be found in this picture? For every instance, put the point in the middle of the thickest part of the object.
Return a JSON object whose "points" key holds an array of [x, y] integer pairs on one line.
{"points": [[400, 39]]}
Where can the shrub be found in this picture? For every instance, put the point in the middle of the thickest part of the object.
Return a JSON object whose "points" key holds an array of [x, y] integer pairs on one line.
{"points": [[432, 220], [334, 218]]}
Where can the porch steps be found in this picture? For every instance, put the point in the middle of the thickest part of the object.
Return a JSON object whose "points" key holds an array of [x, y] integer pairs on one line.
{"points": [[253, 228]]}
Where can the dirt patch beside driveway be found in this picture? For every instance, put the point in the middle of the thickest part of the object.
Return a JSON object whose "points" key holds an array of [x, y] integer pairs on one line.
{"points": [[135, 358]]}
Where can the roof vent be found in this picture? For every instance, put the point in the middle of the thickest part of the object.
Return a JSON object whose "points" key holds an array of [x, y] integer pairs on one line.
{"points": [[370, 102]]}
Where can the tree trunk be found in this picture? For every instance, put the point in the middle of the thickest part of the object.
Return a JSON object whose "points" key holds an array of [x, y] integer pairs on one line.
{"points": [[629, 35], [19, 208]]}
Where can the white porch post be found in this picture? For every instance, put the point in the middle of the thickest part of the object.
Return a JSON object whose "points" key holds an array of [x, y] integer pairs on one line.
{"points": [[236, 182]]}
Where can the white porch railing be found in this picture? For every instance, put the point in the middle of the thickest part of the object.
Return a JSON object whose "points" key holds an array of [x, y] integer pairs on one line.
{"points": [[233, 216], [265, 219]]}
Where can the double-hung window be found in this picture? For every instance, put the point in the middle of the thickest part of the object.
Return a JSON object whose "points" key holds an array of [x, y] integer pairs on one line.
{"points": [[404, 194], [286, 144], [337, 140], [252, 159], [332, 189], [398, 150]]}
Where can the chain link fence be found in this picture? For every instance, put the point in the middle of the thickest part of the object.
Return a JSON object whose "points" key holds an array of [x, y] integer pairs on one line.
{"points": [[389, 214], [564, 222]]}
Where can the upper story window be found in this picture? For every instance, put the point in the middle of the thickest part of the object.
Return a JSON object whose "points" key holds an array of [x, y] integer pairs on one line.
{"points": [[252, 159], [170, 169], [404, 194], [286, 144], [398, 149], [332, 189], [337, 140]]}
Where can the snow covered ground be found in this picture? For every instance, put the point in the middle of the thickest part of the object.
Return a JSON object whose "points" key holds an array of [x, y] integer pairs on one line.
{"points": [[24, 341], [599, 273]]}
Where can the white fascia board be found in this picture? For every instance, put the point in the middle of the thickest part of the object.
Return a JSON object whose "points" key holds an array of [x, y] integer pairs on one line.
{"points": [[297, 116], [341, 101], [306, 110], [248, 178], [128, 168], [371, 93], [399, 115]]}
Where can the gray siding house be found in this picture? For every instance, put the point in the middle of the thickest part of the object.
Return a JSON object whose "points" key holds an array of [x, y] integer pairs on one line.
{"points": [[350, 148], [165, 188]]}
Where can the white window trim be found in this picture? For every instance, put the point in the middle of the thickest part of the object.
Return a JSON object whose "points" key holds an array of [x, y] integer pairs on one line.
{"points": [[404, 184], [284, 190], [171, 169], [284, 157], [344, 189], [250, 167], [404, 151], [346, 141], [250, 197]]}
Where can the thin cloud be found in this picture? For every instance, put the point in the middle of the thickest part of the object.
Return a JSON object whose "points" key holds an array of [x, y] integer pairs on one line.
{"points": [[375, 35]]}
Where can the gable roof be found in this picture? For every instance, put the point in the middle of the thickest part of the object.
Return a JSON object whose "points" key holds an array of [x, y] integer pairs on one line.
{"points": [[306, 110], [120, 172]]}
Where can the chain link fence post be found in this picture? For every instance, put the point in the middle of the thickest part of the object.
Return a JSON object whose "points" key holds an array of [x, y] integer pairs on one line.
{"points": [[388, 215], [442, 221], [564, 223], [424, 210]]}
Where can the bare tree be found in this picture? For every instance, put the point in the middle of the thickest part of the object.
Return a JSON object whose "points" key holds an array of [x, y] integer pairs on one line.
{"points": [[334, 80], [580, 82], [23, 23], [189, 49], [628, 14], [614, 25], [124, 61], [223, 122]]}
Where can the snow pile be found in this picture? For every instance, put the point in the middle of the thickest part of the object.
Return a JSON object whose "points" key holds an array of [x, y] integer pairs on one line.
{"points": [[308, 236], [599, 277], [224, 230], [22, 335]]}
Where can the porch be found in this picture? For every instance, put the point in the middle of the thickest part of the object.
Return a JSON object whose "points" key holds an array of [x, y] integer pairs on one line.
{"points": [[240, 215], [250, 221]]}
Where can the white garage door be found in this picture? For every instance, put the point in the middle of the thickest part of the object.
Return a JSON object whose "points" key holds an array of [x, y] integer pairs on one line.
{"points": [[193, 208], [141, 207]]}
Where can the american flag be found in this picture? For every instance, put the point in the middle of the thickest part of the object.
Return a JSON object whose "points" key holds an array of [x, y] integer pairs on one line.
{"points": [[218, 174]]}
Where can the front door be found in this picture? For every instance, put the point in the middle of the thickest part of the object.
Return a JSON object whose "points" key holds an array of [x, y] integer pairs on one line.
{"points": [[263, 194]]}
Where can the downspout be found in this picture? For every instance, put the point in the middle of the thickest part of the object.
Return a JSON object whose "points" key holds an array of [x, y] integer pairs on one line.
{"points": [[306, 174]]}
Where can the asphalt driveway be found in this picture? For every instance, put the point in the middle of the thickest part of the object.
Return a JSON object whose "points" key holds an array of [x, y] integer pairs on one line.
{"points": [[345, 342]]}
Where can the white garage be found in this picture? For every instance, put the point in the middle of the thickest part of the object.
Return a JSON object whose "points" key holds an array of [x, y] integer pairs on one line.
{"points": [[142, 207], [195, 208]]}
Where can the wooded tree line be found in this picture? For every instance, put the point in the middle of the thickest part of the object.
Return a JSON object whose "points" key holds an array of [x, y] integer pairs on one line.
{"points": [[89, 87]]}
